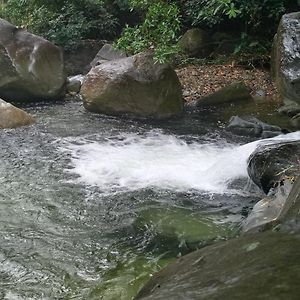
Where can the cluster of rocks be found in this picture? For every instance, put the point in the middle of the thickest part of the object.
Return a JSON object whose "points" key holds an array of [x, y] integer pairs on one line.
{"points": [[137, 86]]}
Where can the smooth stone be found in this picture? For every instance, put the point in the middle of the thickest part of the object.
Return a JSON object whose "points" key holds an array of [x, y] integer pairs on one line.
{"points": [[13, 117]]}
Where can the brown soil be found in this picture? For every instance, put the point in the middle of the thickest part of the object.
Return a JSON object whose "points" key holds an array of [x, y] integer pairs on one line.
{"points": [[200, 80]]}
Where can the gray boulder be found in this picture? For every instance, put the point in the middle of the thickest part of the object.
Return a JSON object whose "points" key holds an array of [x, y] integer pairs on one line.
{"points": [[234, 92], [13, 117], [31, 68], [135, 86], [270, 164], [286, 57], [196, 43], [251, 126], [266, 213], [256, 266], [107, 53]]}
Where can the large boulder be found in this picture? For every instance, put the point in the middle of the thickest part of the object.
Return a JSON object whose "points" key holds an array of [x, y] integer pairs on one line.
{"points": [[31, 68], [271, 164], [286, 57], [135, 86], [196, 43], [12, 117], [261, 266]]}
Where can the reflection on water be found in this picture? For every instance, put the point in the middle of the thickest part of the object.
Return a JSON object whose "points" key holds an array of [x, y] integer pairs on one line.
{"points": [[91, 206]]}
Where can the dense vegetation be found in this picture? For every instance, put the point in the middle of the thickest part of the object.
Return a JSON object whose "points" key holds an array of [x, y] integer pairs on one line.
{"points": [[144, 24]]}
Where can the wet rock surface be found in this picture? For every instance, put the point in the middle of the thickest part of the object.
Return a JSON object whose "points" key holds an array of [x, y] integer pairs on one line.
{"points": [[13, 117], [31, 68], [285, 57], [267, 212], [270, 164], [241, 268], [135, 86]]}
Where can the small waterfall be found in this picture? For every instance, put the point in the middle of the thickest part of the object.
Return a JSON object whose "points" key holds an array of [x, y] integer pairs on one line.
{"points": [[158, 160]]}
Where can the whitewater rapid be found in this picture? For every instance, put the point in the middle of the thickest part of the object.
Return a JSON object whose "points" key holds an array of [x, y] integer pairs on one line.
{"points": [[158, 160]]}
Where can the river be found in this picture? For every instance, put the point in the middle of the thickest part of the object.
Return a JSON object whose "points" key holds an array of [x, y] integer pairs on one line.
{"points": [[91, 206]]}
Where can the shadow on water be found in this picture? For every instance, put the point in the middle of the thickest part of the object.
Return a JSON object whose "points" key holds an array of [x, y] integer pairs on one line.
{"points": [[78, 228]]}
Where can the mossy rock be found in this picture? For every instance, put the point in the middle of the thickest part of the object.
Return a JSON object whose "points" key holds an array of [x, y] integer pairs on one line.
{"points": [[261, 266], [235, 92], [196, 43]]}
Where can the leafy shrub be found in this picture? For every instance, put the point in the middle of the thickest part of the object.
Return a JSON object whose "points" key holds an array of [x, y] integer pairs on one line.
{"points": [[252, 14], [159, 30], [64, 24]]}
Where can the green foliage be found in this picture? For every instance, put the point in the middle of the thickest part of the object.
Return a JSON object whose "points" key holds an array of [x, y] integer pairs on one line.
{"points": [[159, 31], [210, 12], [64, 24], [254, 13]]}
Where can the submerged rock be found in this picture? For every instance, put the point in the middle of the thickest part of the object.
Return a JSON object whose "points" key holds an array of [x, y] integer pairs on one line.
{"points": [[271, 163], [234, 92], [265, 265], [181, 226], [251, 126], [286, 57], [12, 117], [31, 68], [196, 43], [135, 86]]}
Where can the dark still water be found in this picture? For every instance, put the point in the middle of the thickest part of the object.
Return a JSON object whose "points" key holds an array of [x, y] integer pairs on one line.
{"points": [[91, 206]]}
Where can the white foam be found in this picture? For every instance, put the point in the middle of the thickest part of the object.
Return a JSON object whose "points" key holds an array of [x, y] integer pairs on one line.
{"points": [[161, 161]]}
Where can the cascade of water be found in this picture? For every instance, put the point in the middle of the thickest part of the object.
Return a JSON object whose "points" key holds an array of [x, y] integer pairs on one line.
{"points": [[162, 161]]}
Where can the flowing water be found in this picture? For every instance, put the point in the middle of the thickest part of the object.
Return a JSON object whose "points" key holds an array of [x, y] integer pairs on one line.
{"points": [[91, 206]]}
